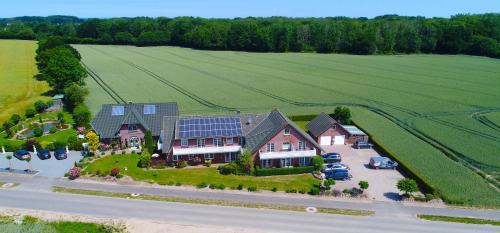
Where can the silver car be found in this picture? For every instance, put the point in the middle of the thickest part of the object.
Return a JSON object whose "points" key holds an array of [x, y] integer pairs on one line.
{"points": [[335, 166]]}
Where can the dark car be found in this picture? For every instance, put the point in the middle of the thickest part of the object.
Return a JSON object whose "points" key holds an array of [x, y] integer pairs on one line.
{"points": [[60, 154], [338, 174], [22, 154], [362, 145], [382, 163], [330, 158], [43, 154]]}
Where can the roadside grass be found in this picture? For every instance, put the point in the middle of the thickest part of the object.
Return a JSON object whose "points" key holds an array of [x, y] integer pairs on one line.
{"points": [[213, 202], [12, 185], [198, 175], [33, 224], [459, 219]]}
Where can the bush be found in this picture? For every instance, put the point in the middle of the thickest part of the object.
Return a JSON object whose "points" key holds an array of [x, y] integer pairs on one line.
{"points": [[181, 164], [317, 163], [302, 191], [59, 145], [230, 168], [208, 163], [252, 189], [113, 152], [38, 132], [363, 185], [240, 187], [119, 176], [30, 143], [53, 129], [201, 185], [74, 173], [15, 119], [408, 186], [221, 186], [114, 172], [124, 152], [274, 189], [284, 171], [328, 184], [30, 113], [145, 159], [346, 192], [81, 115], [314, 191], [212, 186], [178, 183], [291, 191], [40, 106]]}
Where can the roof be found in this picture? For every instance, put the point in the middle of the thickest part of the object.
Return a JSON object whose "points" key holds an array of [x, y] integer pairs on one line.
{"points": [[58, 96], [320, 124], [209, 126], [169, 124], [269, 127], [353, 130], [107, 124]]}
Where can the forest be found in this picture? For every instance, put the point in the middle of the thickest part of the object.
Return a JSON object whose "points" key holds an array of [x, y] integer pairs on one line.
{"points": [[388, 34]]}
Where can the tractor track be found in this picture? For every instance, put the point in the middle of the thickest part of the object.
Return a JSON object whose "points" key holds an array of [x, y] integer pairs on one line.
{"points": [[114, 95]]}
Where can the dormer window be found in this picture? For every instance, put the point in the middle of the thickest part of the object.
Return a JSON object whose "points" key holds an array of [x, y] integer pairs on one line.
{"points": [[287, 131]]}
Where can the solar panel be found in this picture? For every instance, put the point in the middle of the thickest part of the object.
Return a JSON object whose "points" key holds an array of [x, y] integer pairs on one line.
{"points": [[118, 110], [210, 127], [149, 109]]}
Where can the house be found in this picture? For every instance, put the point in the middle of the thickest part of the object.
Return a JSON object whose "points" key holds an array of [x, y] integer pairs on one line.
{"points": [[328, 132], [125, 125], [272, 138]]}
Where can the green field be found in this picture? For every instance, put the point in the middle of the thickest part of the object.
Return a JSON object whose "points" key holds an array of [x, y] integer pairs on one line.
{"points": [[429, 110], [17, 68]]}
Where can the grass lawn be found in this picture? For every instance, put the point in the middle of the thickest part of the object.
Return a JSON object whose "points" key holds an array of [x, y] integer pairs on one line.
{"points": [[195, 176], [459, 219], [61, 136], [32, 224]]}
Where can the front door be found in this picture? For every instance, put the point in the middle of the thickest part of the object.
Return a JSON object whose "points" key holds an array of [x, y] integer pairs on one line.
{"points": [[134, 142]]}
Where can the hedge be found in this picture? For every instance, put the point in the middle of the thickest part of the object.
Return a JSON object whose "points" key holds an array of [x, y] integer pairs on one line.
{"points": [[284, 171]]}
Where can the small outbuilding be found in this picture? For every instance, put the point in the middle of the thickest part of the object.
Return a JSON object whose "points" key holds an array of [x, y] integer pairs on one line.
{"points": [[352, 133], [57, 103], [323, 129]]}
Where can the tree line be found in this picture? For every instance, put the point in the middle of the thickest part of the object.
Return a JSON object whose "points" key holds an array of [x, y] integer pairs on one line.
{"points": [[388, 34]]}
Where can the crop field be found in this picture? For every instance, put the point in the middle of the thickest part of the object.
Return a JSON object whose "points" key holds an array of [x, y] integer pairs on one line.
{"points": [[17, 68], [439, 115]]}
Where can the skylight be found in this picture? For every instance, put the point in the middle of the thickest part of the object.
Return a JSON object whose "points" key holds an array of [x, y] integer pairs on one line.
{"points": [[118, 110], [149, 109]]}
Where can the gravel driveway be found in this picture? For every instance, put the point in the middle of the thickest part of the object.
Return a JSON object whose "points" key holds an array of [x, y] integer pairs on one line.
{"points": [[382, 182], [49, 168]]}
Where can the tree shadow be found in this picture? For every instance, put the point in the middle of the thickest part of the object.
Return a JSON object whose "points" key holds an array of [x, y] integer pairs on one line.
{"points": [[393, 196]]}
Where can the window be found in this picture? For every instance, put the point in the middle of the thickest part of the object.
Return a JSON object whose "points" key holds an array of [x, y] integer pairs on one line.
{"points": [[304, 161], [229, 141], [132, 127], [190, 157], [286, 162], [175, 158], [229, 157], [287, 131], [218, 142], [209, 156], [285, 146], [266, 163], [270, 147], [302, 145], [200, 142], [184, 142]]}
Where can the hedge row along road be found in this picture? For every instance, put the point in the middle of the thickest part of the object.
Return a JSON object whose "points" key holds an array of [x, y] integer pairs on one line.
{"points": [[437, 114]]}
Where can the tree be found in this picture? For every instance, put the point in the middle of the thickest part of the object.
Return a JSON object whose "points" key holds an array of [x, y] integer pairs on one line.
{"points": [[245, 161], [60, 68], [15, 119], [145, 159], [9, 157], [60, 118], [38, 132], [81, 115], [74, 95], [30, 113], [124, 38], [40, 106], [93, 140], [363, 185], [342, 115], [408, 186], [317, 163], [7, 126], [149, 143]]}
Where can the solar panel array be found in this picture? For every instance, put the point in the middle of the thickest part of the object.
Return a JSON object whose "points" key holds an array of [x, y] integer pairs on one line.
{"points": [[206, 127], [149, 109], [118, 110]]}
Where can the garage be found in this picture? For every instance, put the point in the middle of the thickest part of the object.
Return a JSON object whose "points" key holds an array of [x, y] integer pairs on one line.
{"points": [[325, 140], [339, 140]]}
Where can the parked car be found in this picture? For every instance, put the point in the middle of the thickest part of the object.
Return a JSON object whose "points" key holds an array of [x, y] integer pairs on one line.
{"points": [[338, 174], [330, 158], [60, 154], [382, 162], [43, 154], [22, 154], [362, 145], [335, 166]]}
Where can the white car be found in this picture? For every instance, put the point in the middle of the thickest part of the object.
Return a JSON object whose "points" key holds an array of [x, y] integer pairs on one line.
{"points": [[335, 166]]}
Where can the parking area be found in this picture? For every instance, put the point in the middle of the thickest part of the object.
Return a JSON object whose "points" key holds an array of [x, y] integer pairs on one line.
{"points": [[49, 168], [382, 181]]}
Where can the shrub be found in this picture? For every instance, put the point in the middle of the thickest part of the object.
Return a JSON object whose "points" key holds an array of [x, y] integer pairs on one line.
{"points": [[144, 159], [133, 152], [40, 106], [114, 172], [59, 145], [240, 187], [181, 164], [98, 173], [317, 163], [30, 143], [302, 191], [245, 162], [201, 185], [66, 174], [291, 191], [30, 113], [113, 152], [119, 176], [123, 152], [274, 189], [148, 142], [38, 132], [15, 119], [284, 171], [328, 184], [53, 129], [230, 168], [252, 189], [208, 163], [408, 186], [363, 185], [74, 173], [178, 183], [346, 192], [171, 182], [221, 186], [314, 191], [212, 186], [81, 115]]}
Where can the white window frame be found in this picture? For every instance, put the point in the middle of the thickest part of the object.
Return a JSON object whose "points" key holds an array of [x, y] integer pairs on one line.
{"points": [[286, 162], [200, 142], [302, 145], [286, 148], [184, 142], [209, 156], [287, 131], [218, 142], [229, 141], [175, 158], [266, 163], [270, 147]]}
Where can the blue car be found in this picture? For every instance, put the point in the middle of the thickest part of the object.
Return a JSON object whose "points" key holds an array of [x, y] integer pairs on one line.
{"points": [[338, 174], [60, 154], [22, 154], [43, 154]]}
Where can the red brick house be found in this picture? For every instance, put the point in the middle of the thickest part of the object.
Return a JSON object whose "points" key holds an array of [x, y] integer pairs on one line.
{"points": [[326, 131]]}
